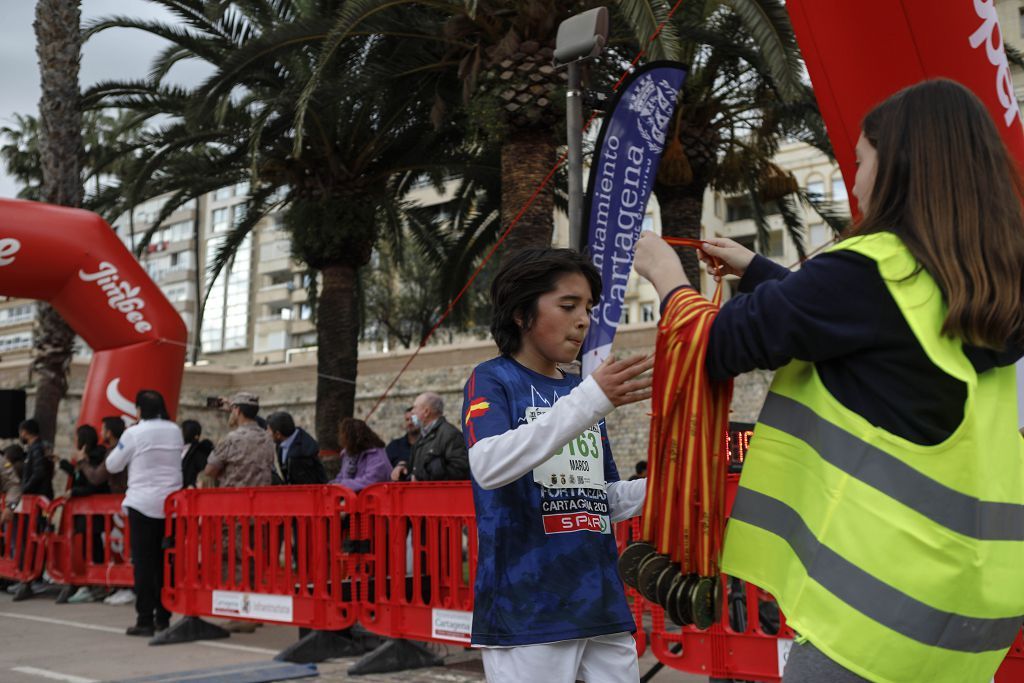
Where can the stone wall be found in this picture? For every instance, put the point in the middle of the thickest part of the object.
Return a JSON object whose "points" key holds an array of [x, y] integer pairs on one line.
{"points": [[443, 369]]}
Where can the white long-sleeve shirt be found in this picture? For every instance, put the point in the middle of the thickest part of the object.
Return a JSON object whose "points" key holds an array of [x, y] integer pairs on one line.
{"points": [[153, 449], [501, 459]]}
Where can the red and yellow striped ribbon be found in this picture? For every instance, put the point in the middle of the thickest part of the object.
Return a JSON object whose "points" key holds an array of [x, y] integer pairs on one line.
{"points": [[684, 515]]}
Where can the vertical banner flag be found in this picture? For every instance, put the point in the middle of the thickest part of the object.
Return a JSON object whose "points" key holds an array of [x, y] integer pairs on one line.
{"points": [[622, 174]]}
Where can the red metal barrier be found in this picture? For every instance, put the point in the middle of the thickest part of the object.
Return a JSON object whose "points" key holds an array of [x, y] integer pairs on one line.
{"points": [[23, 540], [90, 545], [270, 554], [751, 640], [420, 563]]}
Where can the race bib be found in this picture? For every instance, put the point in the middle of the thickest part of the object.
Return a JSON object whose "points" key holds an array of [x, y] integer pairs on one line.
{"points": [[580, 463]]}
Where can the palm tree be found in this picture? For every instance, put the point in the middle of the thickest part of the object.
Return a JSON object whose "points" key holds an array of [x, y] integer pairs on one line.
{"points": [[58, 45], [744, 94], [102, 136], [510, 94], [337, 175], [20, 154]]}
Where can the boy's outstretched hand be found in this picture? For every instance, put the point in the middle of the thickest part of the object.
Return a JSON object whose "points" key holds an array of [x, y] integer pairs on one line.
{"points": [[619, 382]]}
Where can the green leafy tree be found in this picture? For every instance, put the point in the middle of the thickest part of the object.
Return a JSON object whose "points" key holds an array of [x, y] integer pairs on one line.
{"points": [[338, 174], [744, 94]]}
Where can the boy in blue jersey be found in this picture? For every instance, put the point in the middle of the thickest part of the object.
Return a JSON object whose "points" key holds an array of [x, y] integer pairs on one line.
{"points": [[549, 605]]}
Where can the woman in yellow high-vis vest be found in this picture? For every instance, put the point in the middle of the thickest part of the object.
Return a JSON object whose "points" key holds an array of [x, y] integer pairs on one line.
{"points": [[882, 499]]}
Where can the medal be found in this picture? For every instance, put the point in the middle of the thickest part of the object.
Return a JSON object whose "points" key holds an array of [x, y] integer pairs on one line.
{"points": [[701, 604], [665, 580], [676, 565], [629, 561], [647, 578]]}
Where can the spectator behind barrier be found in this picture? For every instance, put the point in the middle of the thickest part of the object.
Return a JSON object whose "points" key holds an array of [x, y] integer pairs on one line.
{"points": [[363, 458], [245, 457], [298, 453], [110, 433], [88, 477], [37, 476], [440, 452], [86, 482], [153, 447], [15, 455], [10, 484], [640, 471], [194, 454], [400, 449]]}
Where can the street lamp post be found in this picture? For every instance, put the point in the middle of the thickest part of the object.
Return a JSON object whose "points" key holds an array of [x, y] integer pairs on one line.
{"points": [[580, 37]]}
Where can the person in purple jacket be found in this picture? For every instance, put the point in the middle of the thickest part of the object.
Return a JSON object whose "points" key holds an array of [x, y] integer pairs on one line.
{"points": [[363, 458]]}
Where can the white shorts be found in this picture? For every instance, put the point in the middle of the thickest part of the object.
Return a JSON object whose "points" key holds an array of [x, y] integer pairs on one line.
{"points": [[601, 659]]}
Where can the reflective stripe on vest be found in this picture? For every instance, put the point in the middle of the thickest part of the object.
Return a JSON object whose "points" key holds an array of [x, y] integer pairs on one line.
{"points": [[865, 593], [983, 520]]}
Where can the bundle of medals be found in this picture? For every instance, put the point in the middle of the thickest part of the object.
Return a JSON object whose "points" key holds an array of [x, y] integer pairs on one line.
{"points": [[676, 562]]}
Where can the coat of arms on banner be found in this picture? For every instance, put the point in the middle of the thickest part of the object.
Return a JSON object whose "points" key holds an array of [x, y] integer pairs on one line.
{"points": [[654, 102]]}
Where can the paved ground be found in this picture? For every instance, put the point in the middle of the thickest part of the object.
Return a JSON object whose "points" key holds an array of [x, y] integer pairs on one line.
{"points": [[40, 641]]}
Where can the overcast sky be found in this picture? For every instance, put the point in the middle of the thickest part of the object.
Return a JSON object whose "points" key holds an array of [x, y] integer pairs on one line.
{"points": [[115, 54]]}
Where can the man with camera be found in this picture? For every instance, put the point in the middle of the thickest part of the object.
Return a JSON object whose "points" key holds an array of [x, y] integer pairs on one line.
{"points": [[245, 457]]}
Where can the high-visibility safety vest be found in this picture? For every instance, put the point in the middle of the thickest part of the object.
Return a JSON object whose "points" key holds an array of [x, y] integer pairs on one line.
{"points": [[899, 561]]}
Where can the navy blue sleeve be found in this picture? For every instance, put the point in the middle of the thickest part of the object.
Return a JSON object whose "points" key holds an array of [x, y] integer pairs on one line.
{"points": [[833, 306], [760, 270]]}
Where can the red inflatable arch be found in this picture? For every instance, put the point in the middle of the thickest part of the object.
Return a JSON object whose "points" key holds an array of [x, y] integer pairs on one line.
{"points": [[859, 53], [74, 260]]}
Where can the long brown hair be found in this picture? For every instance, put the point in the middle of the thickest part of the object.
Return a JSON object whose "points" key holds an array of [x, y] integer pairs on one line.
{"points": [[355, 436], [947, 185]]}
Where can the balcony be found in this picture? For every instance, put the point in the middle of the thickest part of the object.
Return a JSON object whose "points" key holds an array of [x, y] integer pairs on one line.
{"points": [[271, 323], [274, 294]]}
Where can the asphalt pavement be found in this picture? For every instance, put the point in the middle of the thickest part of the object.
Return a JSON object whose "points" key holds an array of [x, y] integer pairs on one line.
{"points": [[85, 643]]}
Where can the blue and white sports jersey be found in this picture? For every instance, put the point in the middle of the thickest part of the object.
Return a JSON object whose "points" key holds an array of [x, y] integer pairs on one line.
{"points": [[546, 566]]}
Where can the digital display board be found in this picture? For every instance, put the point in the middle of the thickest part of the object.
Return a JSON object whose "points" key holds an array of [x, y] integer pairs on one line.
{"points": [[739, 441]]}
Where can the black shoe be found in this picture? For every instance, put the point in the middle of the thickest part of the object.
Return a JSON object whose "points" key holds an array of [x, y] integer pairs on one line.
{"points": [[162, 624], [23, 592], [144, 631]]}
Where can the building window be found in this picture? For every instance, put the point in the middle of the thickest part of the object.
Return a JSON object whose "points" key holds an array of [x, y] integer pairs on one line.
{"points": [[224, 193], [816, 188], [625, 315], [776, 244], [647, 313], [1021, 22], [305, 312], [226, 321], [817, 234], [15, 342], [839, 190], [738, 209], [303, 340], [221, 220]]}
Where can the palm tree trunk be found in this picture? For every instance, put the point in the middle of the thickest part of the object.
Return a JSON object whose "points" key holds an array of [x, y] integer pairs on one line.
{"points": [[337, 334], [526, 159], [681, 209], [59, 46]]}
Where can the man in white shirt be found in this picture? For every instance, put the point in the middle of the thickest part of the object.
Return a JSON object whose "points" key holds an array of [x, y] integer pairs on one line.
{"points": [[153, 449]]}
